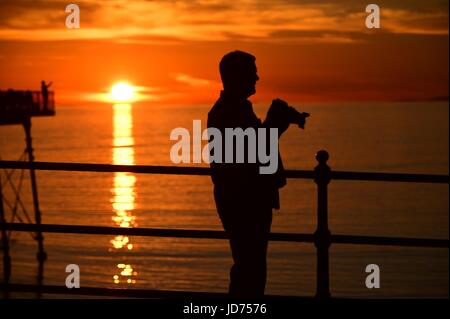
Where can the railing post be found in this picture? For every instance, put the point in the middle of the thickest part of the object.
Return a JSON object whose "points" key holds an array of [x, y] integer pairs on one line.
{"points": [[322, 234]]}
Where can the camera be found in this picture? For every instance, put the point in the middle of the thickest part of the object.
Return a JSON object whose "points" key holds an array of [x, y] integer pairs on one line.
{"points": [[281, 113]]}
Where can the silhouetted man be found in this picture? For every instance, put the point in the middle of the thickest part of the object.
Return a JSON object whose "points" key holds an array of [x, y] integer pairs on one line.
{"points": [[244, 197]]}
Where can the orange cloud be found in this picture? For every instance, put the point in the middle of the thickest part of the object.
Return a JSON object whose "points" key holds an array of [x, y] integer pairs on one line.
{"points": [[216, 20], [193, 81]]}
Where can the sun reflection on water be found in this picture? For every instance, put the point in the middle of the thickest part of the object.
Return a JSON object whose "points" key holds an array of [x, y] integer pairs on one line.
{"points": [[126, 273], [123, 190]]}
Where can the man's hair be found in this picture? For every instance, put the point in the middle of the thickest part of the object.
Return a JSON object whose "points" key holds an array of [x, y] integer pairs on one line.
{"points": [[233, 64]]}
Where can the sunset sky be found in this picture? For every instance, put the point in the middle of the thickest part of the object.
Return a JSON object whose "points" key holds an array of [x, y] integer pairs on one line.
{"points": [[306, 51]]}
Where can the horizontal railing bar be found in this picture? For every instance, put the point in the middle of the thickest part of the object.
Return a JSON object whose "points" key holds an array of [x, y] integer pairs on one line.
{"points": [[144, 169], [88, 167], [146, 232], [390, 241], [390, 177], [123, 292], [216, 234], [183, 170]]}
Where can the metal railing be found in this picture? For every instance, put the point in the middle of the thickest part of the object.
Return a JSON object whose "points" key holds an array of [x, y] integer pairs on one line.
{"points": [[322, 237]]}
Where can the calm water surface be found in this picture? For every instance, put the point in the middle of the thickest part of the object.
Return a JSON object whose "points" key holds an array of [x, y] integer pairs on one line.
{"points": [[391, 137]]}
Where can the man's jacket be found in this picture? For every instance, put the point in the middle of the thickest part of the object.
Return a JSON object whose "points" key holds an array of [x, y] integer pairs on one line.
{"points": [[243, 179]]}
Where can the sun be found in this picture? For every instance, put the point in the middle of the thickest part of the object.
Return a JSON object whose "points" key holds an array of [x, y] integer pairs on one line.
{"points": [[122, 92]]}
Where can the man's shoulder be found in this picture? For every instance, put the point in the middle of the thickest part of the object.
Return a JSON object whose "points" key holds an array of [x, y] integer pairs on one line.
{"points": [[215, 108]]}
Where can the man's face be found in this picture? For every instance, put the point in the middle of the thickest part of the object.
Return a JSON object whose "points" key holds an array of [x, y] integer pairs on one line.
{"points": [[244, 84], [249, 80], [243, 81]]}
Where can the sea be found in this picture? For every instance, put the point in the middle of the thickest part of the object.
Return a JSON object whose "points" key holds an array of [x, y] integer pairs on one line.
{"points": [[401, 137]]}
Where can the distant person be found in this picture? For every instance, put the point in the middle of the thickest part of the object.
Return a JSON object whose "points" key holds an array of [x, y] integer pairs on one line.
{"points": [[44, 90], [244, 198]]}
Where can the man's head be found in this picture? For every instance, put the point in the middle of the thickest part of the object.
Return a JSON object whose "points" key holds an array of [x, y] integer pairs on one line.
{"points": [[238, 73]]}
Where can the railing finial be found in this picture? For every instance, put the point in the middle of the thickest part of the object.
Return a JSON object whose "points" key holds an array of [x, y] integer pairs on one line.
{"points": [[322, 157]]}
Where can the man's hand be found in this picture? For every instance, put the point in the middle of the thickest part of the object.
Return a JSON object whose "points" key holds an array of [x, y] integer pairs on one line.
{"points": [[276, 116]]}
